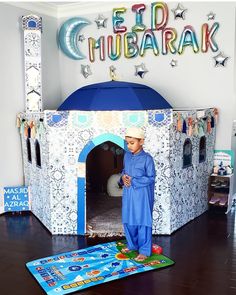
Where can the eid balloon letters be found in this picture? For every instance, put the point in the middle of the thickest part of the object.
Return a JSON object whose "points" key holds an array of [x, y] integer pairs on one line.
{"points": [[158, 37]]}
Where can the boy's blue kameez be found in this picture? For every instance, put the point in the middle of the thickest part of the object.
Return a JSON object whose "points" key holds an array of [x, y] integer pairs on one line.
{"points": [[138, 199]]}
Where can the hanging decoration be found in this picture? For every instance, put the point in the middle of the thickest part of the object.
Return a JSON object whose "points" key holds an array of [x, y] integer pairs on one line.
{"points": [[188, 38], [209, 124], [138, 9], [169, 35], [140, 70], [211, 16], [18, 122], [216, 114], [206, 41], [179, 123], [149, 42], [179, 12], [190, 126], [101, 21], [184, 128], [205, 124], [68, 34], [212, 122], [201, 128], [105, 146], [169, 41], [86, 71], [195, 128], [130, 50], [22, 126], [220, 60], [41, 128], [26, 130], [32, 129], [117, 20], [155, 7], [119, 151], [93, 44]]}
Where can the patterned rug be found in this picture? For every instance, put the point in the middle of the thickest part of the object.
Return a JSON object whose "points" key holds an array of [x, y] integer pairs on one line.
{"points": [[104, 215], [72, 271]]}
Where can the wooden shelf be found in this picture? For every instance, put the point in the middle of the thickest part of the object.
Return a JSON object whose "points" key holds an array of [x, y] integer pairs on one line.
{"points": [[227, 176]]}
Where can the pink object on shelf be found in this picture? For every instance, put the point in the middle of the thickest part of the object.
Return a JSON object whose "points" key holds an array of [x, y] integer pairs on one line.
{"points": [[223, 201], [214, 200]]}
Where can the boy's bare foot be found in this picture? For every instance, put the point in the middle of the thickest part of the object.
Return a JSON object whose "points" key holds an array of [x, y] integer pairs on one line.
{"points": [[140, 258], [125, 250]]}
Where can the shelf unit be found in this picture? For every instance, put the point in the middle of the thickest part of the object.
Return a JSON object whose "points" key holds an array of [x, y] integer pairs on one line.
{"points": [[220, 191]]}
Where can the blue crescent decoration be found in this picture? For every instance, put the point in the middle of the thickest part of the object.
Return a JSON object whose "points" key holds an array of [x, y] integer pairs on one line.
{"points": [[68, 37]]}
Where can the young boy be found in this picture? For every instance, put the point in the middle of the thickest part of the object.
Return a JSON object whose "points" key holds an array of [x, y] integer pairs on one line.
{"points": [[138, 178]]}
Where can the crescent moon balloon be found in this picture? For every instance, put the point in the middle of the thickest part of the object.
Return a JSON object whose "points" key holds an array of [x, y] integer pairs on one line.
{"points": [[67, 37]]}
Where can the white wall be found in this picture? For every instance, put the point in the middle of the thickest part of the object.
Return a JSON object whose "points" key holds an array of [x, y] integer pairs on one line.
{"points": [[195, 82], [12, 85]]}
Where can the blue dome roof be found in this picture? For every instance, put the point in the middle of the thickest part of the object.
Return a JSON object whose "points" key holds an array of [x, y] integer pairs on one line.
{"points": [[114, 95]]}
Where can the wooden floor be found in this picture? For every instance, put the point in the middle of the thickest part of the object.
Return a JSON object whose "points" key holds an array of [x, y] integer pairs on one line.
{"points": [[204, 251]]}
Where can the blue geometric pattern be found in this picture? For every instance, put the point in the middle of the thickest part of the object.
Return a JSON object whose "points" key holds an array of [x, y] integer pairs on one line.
{"points": [[32, 24], [82, 120], [58, 119], [134, 119], [160, 118]]}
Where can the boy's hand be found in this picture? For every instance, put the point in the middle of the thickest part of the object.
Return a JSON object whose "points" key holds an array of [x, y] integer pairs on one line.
{"points": [[127, 180]]}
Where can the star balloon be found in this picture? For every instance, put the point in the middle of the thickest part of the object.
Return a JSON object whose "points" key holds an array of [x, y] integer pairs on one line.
{"points": [[86, 71], [140, 70], [179, 11], [112, 72], [101, 21], [211, 16], [81, 38], [220, 60], [173, 63]]}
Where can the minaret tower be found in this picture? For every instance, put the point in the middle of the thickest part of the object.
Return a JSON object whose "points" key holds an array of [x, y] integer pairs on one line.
{"points": [[32, 26]]}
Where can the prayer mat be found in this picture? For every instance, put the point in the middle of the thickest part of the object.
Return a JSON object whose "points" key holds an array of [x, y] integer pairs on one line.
{"points": [[73, 271]]}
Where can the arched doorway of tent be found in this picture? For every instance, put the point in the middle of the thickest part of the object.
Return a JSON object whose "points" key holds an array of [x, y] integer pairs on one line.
{"points": [[99, 197]]}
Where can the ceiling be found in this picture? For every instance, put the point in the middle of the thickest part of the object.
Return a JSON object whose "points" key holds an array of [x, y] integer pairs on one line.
{"points": [[65, 8]]}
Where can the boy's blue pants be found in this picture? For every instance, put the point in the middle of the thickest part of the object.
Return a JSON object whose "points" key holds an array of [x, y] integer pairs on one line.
{"points": [[139, 237]]}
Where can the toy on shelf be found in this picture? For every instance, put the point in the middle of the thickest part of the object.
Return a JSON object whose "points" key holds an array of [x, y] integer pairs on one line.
{"points": [[223, 162], [222, 170]]}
